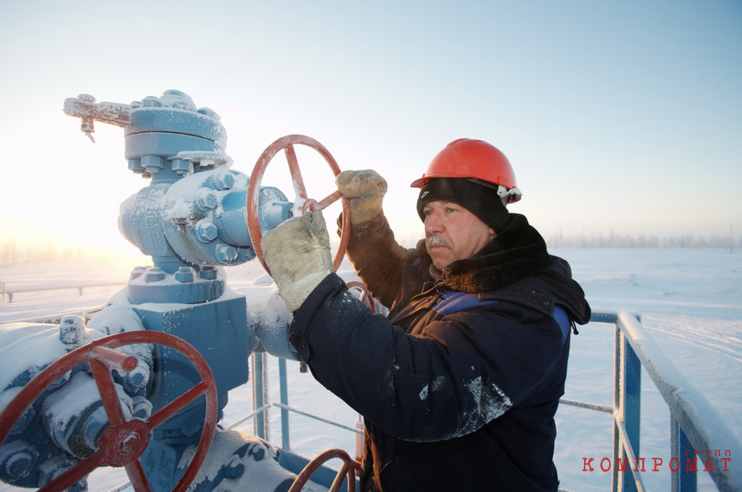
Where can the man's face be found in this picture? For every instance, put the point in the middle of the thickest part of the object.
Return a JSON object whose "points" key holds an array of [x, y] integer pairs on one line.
{"points": [[453, 233]]}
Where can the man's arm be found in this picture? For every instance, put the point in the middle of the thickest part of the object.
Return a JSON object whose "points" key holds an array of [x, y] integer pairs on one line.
{"points": [[382, 264], [445, 382]]}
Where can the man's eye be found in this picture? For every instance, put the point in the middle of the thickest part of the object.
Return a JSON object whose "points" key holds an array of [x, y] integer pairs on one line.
{"points": [[450, 209]]}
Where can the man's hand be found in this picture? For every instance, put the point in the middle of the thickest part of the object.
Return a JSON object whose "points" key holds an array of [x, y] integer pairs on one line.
{"points": [[365, 190], [297, 253]]}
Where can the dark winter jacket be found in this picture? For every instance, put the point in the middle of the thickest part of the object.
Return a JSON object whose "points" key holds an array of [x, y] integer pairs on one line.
{"points": [[459, 386]]}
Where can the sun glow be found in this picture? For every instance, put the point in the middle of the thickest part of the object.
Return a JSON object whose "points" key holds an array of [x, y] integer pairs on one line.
{"points": [[61, 193]]}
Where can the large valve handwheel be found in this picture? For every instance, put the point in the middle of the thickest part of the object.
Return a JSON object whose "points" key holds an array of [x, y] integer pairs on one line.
{"points": [[307, 204], [349, 468], [124, 440]]}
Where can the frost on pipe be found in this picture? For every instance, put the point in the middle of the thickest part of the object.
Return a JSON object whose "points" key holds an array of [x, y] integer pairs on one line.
{"points": [[85, 108], [307, 204]]}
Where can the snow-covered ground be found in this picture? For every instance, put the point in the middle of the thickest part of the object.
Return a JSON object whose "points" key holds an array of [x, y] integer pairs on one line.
{"points": [[690, 301]]}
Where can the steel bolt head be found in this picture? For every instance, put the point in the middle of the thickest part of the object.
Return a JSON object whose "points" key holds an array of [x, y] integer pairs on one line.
{"points": [[258, 453], [135, 379], [137, 272], [206, 231], [154, 274], [210, 113], [207, 273], [224, 180], [19, 464], [207, 200], [174, 98], [181, 166], [72, 330], [185, 274], [152, 163], [135, 166], [225, 253], [142, 407], [151, 102], [234, 470]]}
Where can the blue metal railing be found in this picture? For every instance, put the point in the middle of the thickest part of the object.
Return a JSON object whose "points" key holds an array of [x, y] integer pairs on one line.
{"points": [[695, 424]]}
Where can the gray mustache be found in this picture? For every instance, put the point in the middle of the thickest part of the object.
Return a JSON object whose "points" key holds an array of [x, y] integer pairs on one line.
{"points": [[433, 240]]}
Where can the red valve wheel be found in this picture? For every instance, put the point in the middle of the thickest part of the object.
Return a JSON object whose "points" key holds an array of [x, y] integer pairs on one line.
{"points": [[123, 441], [349, 468], [253, 191], [366, 296]]}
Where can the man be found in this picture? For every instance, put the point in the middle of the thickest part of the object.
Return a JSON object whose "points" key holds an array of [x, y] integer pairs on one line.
{"points": [[460, 384]]}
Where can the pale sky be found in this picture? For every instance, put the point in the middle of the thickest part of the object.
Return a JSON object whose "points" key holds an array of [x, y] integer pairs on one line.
{"points": [[621, 116]]}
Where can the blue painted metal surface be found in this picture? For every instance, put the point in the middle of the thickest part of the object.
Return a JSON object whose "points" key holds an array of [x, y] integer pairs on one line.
{"points": [[191, 219], [684, 480], [284, 389], [260, 395], [627, 401]]}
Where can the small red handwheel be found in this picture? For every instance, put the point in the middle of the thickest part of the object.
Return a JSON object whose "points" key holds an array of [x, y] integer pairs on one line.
{"points": [[308, 204], [123, 441], [349, 468], [366, 296]]}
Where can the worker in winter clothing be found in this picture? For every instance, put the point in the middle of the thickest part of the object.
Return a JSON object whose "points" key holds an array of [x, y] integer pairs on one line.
{"points": [[460, 383]]}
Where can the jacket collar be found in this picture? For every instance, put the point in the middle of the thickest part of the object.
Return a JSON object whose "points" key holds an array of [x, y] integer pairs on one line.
{"points": [[515, 263], [517, 252]]}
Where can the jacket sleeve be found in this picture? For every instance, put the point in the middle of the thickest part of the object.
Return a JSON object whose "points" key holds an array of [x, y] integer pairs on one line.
{"points": [[462, 372], [384, 265]]}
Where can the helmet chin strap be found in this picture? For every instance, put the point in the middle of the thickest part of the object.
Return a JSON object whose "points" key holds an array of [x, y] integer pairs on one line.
{"points": [[509, 196]]}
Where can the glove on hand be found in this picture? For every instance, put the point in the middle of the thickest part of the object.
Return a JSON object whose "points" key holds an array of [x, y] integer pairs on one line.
{"points": [[365, 190], [297, 253]]}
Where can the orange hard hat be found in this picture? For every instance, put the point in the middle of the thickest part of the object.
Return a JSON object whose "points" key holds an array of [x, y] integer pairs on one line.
{"points": [[474, 160]]}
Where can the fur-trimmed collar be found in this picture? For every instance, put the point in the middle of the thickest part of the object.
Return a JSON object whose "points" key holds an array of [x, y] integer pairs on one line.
{"points": [[517, 252]]}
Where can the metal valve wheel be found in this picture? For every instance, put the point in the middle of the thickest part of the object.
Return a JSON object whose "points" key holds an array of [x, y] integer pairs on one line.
{"points": [[253, 191], [349, 468], [366, 296], [124, 440]]}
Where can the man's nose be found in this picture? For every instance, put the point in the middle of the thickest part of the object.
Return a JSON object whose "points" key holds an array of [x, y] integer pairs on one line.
{"points": [[433, 223]]}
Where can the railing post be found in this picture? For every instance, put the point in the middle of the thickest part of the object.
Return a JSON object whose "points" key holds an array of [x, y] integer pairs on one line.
{"points": [[285, 443], [260, 394], [683, 480], [627, 399], [632, 404]]}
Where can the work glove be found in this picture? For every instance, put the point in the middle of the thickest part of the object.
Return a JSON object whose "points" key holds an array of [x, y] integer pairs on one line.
{"points": [[297, 253], [365, 190]]}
